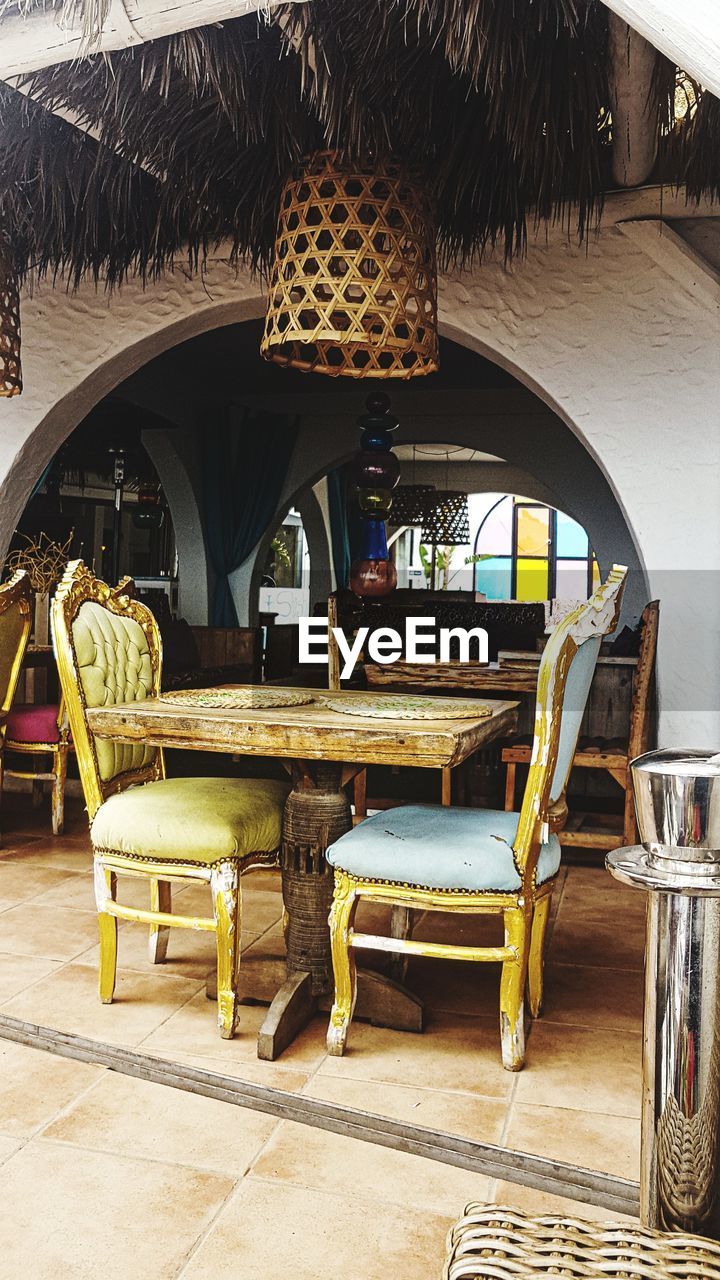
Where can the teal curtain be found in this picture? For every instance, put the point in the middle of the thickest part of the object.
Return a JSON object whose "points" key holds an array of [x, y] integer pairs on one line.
{"points": [[245, 460], [339, 532]]}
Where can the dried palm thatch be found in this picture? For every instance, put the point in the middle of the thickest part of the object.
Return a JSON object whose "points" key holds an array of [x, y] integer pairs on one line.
{"points": [[501, 105]]}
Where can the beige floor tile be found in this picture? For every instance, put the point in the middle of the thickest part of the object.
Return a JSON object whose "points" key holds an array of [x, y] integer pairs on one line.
{"points": [[590, 997], [452, 1053], [608, 1143], [584, 1070], [35, 1086], [85, 1214], [62, 853], [465, 930], [593, 891], [310, 1157], [8, 1147], [273, 1075], [531, 1201], [610, 941], [193, 1030], [78, 893], [20, 881], [32, 929], [191, 952], [19, 972], [68, 1000], [310, 1235], [470, 1117], [456, 986], [136, 1118]]}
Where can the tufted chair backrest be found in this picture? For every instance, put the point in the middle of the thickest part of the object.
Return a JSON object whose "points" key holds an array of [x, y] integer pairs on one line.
{"points": [[108, 652], [16, 597]]}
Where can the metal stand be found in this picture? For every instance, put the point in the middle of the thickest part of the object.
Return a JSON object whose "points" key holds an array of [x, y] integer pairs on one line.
{"points": [[679, 867]]}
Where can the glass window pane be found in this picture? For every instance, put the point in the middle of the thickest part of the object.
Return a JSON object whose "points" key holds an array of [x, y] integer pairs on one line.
{"points": [[532, 531], [571, 581], [493, 577], [571, 537], [495, 534], [532, 580]]}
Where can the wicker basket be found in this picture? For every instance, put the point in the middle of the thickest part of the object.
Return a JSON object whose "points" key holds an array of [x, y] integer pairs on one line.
{"points": [[10, 369], [495, 1243], [353, 290]]}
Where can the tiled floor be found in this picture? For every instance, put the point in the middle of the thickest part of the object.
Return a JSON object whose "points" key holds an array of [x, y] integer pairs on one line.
{"points": [[104, 1174]]}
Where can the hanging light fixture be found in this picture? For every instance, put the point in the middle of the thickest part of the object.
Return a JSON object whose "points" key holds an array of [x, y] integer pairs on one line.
{"points": [[448, 524], [10, 368], [413, 504], [353, 290]]}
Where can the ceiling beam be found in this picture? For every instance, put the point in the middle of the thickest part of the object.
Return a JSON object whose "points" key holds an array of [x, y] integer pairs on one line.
{"points": [[686, 31], [632, 62], [41, 36]]}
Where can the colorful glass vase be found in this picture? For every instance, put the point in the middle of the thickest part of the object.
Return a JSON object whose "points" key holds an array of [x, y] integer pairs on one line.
{"points": [[375, 471]]}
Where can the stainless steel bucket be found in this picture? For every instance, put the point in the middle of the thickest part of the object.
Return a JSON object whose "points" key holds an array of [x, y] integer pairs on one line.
{"points": [[677, 798]]}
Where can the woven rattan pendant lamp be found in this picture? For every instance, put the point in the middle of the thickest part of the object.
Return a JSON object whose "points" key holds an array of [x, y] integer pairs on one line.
{"points": [[10, 370], [353, 290]]}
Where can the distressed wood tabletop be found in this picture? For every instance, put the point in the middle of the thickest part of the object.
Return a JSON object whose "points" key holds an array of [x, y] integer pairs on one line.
{"points": [[309, 732]]}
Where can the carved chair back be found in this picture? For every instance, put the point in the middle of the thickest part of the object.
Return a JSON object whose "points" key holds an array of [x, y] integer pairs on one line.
{"points": [[564, 679], [108, 651], [16, 602]]}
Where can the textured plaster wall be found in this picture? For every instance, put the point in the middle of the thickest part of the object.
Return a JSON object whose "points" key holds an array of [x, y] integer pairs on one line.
{"points": [[625, 352]]}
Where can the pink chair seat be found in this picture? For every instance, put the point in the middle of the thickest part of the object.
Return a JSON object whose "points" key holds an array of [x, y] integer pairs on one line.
{"points": [[28, 723]]}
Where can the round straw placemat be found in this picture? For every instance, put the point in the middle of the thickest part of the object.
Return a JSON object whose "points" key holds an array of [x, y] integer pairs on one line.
{"points": [[401, 706], [238, 699]]}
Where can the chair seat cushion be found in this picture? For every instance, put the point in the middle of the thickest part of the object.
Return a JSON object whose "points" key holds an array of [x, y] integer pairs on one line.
{"points": [[435, 847], [194, 820], [33, 723]]}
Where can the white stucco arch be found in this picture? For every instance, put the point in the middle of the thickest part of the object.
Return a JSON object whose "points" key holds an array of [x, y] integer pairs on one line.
{"points": [[622, 350]]}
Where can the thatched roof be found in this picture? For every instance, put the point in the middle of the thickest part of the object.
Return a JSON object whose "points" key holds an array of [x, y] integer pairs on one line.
{"points": [[501, 104]]}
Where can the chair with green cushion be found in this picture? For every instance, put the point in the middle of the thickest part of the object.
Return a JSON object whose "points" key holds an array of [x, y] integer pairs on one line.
{"points": [[142, 823], [479, 861]]}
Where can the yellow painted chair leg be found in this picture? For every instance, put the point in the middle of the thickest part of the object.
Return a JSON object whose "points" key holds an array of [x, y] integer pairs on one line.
{"points": [[58, 791], [160, 900], [512, 989], [537, 954], [105, 888], [225, 889], [342, 914]]}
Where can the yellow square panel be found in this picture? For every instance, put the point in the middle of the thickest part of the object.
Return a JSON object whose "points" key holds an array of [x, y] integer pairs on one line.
{"points": [[532, 580], [533, 531]]}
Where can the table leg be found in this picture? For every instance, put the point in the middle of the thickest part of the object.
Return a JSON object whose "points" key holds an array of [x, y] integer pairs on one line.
{"points": [[317, 813]]}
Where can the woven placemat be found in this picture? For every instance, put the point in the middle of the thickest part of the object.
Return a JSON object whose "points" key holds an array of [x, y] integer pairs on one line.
{"points": [[408, 706], [238, 699]]}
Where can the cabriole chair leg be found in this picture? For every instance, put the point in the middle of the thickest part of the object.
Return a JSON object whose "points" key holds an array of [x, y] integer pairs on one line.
{"points": [[58, 792], [342, 914], [537, 953], [160, 900], [105, 889], [512, 989], [225, 889]]}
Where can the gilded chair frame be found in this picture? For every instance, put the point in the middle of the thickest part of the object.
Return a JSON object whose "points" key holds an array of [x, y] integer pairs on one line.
{"points": [[16, 594], [525, 911], [78, 586]]}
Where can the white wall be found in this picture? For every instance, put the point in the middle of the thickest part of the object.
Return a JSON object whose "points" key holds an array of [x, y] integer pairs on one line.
{"points": [[619, 338]]}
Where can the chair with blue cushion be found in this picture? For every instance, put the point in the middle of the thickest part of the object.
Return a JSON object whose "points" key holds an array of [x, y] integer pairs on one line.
{"points": [[144, 824], [479, 860]]}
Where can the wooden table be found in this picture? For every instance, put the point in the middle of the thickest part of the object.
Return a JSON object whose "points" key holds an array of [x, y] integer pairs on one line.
{"points": [[323, 750]]}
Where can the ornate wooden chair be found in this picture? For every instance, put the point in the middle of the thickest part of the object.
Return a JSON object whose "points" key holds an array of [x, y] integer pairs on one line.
{"points": [[142, 824], [37, 730], [479, 860], [16, 601], [611, 756]]}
